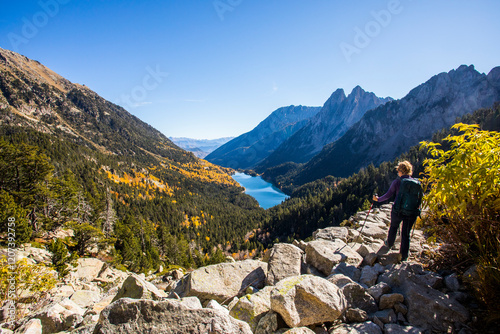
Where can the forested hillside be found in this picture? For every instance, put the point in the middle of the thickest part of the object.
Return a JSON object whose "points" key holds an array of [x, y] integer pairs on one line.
{"points": [[71, 159]]}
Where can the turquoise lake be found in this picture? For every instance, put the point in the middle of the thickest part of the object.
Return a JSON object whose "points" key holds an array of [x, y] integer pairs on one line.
{"points": [[264, 192]]}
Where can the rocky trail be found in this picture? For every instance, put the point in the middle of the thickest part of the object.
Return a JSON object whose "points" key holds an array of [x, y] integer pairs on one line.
{"points": [[342, 281]]}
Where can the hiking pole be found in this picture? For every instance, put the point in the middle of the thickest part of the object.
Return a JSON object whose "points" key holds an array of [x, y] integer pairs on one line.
{"points": [[366, 218]]}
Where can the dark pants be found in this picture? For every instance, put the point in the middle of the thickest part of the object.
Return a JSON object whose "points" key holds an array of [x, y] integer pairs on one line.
{"points": [[408, 222]]}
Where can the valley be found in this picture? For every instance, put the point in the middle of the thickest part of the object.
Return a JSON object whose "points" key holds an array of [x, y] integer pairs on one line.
{"points": [[83, 178]]}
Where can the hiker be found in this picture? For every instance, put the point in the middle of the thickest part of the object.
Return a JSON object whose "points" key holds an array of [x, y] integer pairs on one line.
{"points": [[405, 207]]}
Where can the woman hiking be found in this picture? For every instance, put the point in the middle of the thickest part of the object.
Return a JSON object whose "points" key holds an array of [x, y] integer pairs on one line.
{"points": [[405, 207]]}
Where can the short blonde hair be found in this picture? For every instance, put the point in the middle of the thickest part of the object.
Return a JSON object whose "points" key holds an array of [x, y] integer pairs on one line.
{"points": [[405, 168]]}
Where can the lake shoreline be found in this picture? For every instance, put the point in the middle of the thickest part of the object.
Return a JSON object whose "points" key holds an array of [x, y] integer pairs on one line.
{"points": [[266, 194]]}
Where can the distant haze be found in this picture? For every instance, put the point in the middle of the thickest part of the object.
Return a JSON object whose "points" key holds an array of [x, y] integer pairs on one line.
{"points": [[200, 147]]}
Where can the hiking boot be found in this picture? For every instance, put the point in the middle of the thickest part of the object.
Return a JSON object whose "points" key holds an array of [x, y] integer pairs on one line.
{"points": [[386, 244]]}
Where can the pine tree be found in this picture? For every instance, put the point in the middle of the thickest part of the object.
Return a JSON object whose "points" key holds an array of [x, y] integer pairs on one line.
{"points": [[61, 257]]}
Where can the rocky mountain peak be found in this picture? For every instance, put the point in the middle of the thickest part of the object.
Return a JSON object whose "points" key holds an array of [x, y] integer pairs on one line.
{"points": [[335, 99], [14, 62], [338, 113], [494, 77]]}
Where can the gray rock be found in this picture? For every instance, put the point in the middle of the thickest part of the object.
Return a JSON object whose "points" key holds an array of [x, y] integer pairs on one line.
{"points": [[378, 322], [284, 261], [332, 233], [233, 302], [451, 282], [84, 298], [428, 308], [389, 258], [369, 276], [298, 330], [358, 297], [397, 329], [137, 288], [471, 276], [362, 249], [432, 309], [33, 326], [356, 315], [401, 308], [301, 244], [325, 254], [378, 290], [64, 291], [389, 300], [339, 280], [386, 316], [268, 324], [60, 316], [321, 254], [87, 329], [373, 231], [307, 300], [370, 259], [169, 316], [216, 306], [430, 279], [222, 281], [192, 303], [364, 328], [87, 269], [251, 308], [350, 271]]}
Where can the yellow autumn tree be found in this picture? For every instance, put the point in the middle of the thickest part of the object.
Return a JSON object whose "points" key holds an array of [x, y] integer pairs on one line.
{"points": [[463, 200]]}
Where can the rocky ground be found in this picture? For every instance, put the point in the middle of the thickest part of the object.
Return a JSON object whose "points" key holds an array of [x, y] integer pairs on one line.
{"points": [[343, 281]]}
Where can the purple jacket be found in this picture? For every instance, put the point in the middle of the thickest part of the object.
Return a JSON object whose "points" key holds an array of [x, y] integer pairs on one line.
{"points": [[393, 190]]}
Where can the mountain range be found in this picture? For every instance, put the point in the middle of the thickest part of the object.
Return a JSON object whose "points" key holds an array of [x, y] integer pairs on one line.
{"points": [[387, 131], [251, 148], [200, 147], [338, 114]]}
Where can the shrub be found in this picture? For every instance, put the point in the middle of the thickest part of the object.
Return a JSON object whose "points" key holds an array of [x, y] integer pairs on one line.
{"points": [[61, 257], [463, 185], [23, 282]]}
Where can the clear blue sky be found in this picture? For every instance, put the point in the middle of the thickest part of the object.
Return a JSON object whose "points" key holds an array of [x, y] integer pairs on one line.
{"points": [[216, 68]]}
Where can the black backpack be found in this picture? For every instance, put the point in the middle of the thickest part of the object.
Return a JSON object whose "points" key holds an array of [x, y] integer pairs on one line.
{"points": [[409, 198]]}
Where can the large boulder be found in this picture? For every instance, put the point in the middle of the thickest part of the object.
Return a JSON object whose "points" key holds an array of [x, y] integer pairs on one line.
{"points": [[306, 300], [268, 324], [358, 297], [84, 298], [373, 231], [137, 288], [222, 281], [148, 316], [428, 308], [60, 316], [284, 261], [325, 254], [251, 308], [33, 326], [332, 233], [431, 309], [87, 270]]}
